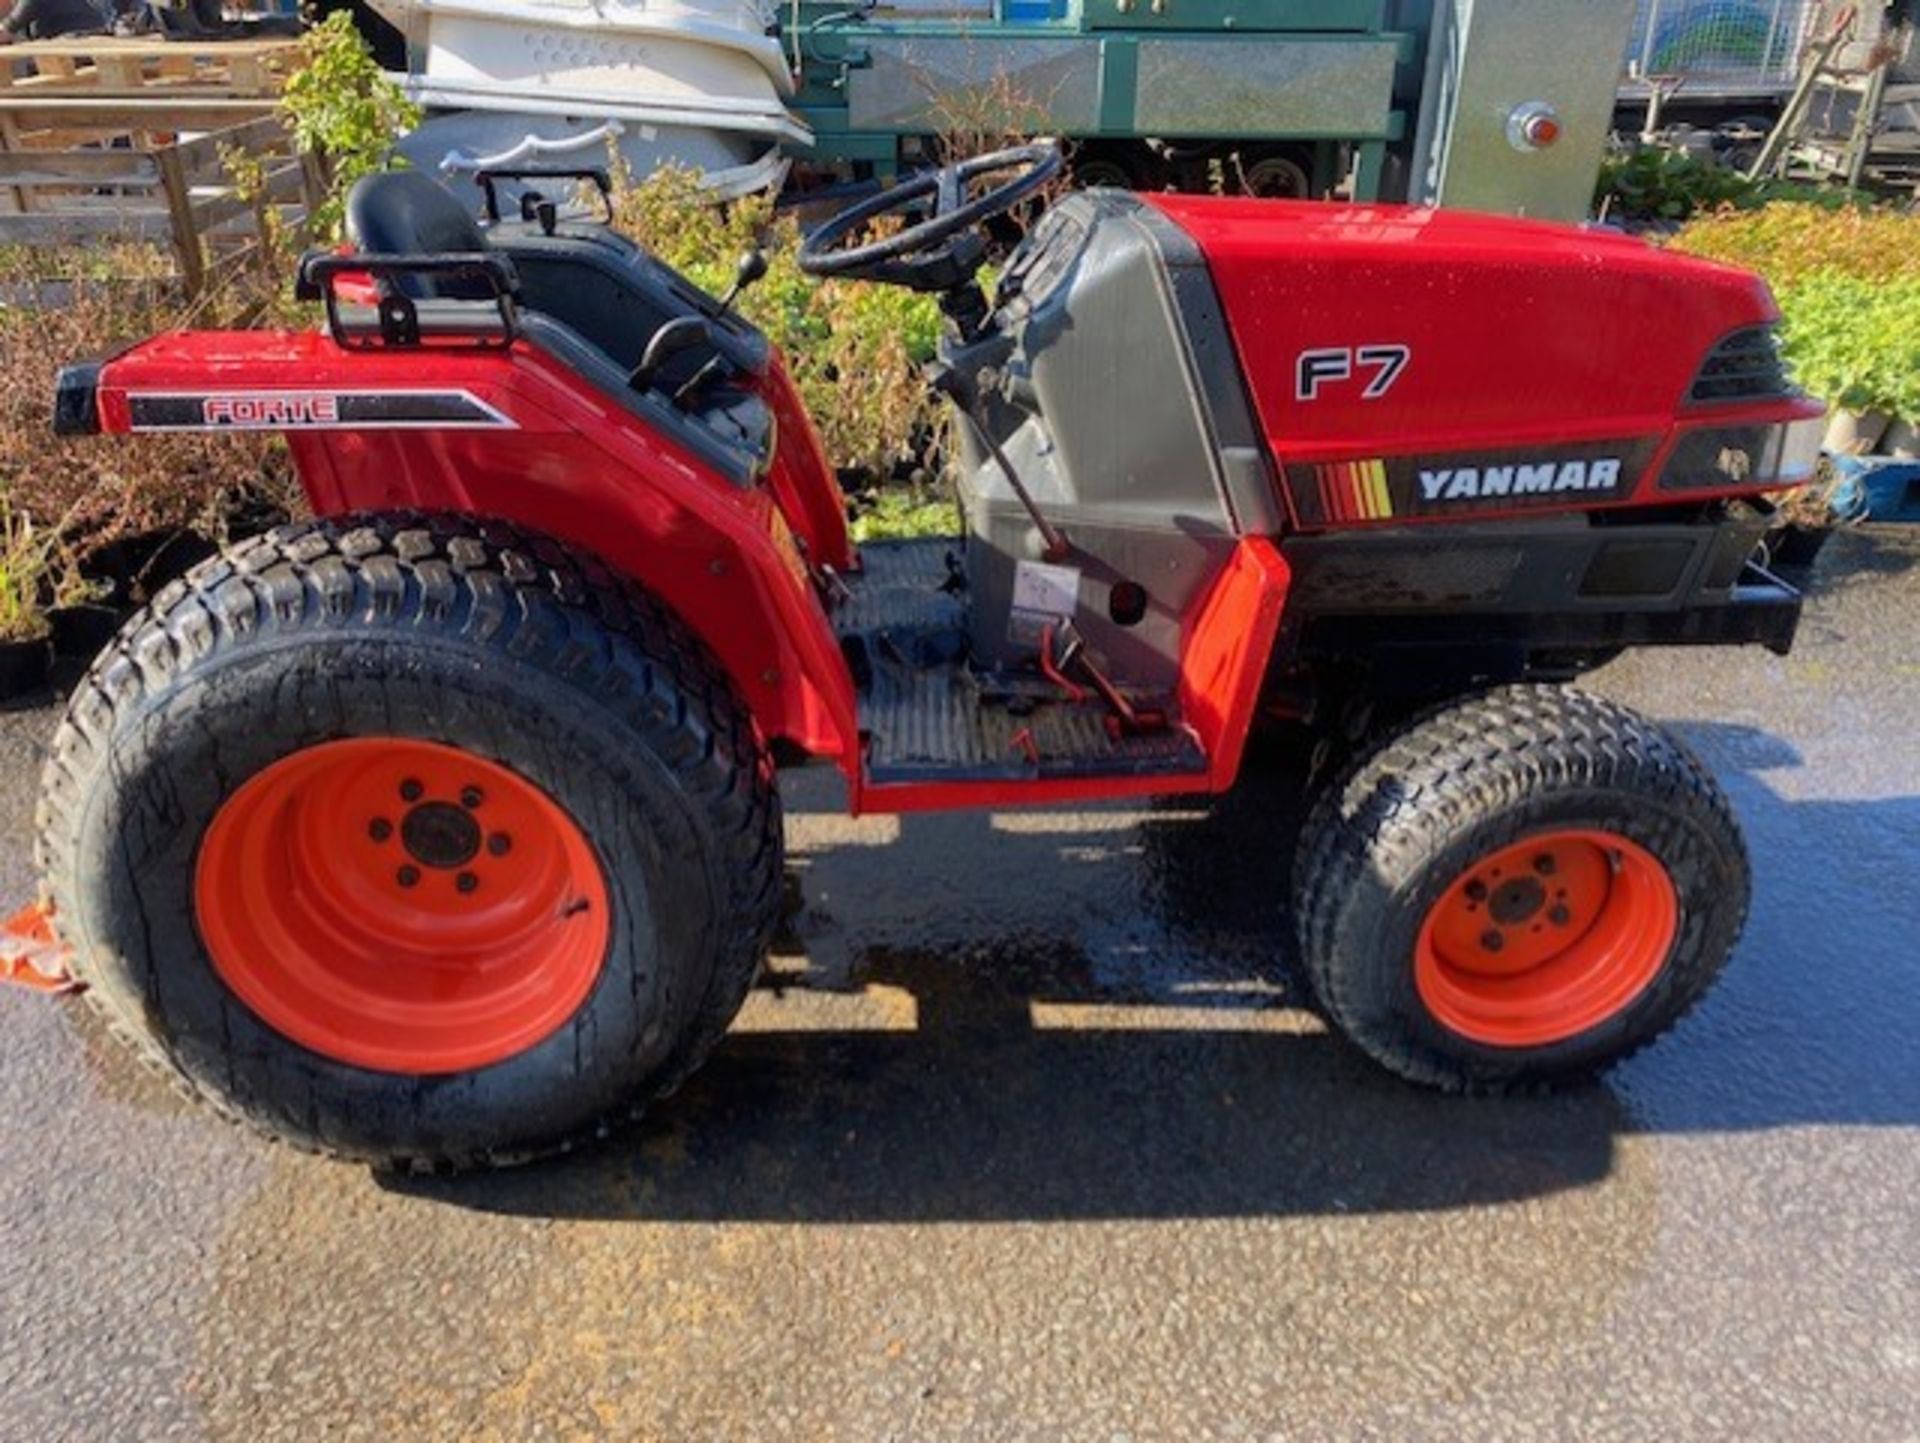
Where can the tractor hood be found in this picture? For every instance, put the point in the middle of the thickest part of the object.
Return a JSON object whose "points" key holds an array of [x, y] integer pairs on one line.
{"points": [[1438, 333]]}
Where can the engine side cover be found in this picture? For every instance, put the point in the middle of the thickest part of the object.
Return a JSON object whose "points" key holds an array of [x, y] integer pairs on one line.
{"points": [[1114, 394], [1410, 363]]}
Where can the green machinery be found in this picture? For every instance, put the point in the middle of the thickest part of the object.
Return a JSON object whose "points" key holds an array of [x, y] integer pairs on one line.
{"points": [[1503, 103], [1274, 96]]}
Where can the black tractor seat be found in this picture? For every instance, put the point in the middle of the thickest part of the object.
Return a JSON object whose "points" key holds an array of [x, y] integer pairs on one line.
{"points": [[591, 298]]}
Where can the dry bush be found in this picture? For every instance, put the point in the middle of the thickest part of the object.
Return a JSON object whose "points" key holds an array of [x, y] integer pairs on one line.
{"points": [[998, 115], [100, 489], [855, 349]]}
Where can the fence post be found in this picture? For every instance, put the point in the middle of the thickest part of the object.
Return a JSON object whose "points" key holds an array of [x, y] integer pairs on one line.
{"points": [[186, 243], [313, 189]]}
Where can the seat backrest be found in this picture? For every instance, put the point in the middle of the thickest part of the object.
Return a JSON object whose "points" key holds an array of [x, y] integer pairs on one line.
{"points": [[406, 212]]}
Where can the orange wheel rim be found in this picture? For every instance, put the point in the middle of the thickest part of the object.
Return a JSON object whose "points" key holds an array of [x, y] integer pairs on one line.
{"points": [[402, 906], [1543, 940]]}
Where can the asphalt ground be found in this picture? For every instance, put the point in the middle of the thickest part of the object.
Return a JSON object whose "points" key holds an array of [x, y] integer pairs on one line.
{"points": [[1028, 1138]]}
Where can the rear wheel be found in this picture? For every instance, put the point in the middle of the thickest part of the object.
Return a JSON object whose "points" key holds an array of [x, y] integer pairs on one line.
{"points": [[413, 840], [1517, 890], [1274, 175]]}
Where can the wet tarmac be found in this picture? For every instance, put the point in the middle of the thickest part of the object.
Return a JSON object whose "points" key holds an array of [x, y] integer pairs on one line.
{"points": [[1027, 1137]]}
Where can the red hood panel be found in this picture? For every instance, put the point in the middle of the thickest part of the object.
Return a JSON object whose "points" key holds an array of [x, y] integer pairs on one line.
{"points": [[1514, 331]]}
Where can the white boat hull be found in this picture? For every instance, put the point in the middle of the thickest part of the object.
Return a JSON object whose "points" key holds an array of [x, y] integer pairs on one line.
{"points": [[694, 82], [457, 143]]}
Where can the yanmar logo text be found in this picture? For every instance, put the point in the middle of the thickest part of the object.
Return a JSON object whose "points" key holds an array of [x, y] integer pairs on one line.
{"points": [[271, 411], [1335, 493], [1546, 478]]}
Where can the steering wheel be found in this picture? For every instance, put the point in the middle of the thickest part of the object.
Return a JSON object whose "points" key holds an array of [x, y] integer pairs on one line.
{"points": [[945, 249]]}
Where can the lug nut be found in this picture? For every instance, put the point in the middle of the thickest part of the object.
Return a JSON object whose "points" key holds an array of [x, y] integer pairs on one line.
{"points": [[1476, 890], [379, 829], [408, 875], [471, 797], [1560, 916], [411, 790], [1493, 941], [499, 844], [466, 881], [1545, 865]]}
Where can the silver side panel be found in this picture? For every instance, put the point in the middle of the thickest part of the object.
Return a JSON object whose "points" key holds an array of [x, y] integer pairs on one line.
{"points": [[1234, 87], [934, 82], [1488, 59], [1116, 446]]}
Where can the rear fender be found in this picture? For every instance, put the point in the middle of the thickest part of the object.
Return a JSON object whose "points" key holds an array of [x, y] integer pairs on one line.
{"points": [[510, 433]]}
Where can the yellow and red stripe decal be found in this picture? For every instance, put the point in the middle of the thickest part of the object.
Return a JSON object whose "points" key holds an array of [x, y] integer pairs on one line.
{"points": [[1355, 491]]}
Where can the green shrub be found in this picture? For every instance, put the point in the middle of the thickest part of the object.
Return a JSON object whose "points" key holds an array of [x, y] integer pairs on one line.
{"points": [[340, 103], [1855, 343], [1848, 283], [855, 349], [1787, 242], [26, 552], [1654, 183], [902, 512]]}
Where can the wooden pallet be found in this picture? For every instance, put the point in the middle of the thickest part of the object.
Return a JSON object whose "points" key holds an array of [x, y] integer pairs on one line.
{"points": [[64, 122], [106, 66], [180, 193]]}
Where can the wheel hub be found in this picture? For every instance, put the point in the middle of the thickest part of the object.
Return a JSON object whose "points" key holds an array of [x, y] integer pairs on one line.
{"points": [[402, 905], [1517, 901], [440, 834], [1543, 940]]}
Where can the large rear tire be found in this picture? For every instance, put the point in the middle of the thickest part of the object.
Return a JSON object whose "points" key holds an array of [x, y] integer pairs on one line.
{"points": [[414, 840], [1517, 890]]}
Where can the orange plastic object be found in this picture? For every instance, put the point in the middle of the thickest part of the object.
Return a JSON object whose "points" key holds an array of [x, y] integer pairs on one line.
{"points": [[31, 956], [402, 905], [1546, 939]]}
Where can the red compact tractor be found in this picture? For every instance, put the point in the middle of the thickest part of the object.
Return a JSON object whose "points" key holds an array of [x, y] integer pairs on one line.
{"points": [[443, 828]]}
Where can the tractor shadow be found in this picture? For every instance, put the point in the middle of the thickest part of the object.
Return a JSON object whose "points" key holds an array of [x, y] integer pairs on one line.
{"points": [[980, 1115], [1112, 1033]]}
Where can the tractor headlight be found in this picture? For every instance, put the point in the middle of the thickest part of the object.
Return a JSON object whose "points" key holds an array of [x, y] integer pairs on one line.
{"points": [[1757, 456]]}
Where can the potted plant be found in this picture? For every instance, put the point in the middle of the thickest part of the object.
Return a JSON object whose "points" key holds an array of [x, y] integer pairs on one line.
{"points": [[1853, 341], [1855, 433], [1902, 440], [1848, 283], [82, 616], [1805, 523], [26, 639]]}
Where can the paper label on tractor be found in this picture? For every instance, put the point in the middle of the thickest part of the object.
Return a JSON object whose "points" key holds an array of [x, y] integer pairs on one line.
{"points": [[1043, 593]]}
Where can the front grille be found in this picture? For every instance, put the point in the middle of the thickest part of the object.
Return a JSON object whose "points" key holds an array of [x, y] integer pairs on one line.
{"points": [[1746, 366]]}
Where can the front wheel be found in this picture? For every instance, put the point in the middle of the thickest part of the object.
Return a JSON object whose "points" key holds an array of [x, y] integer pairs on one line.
{"points": [[1518, 890], [412, 840]]}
